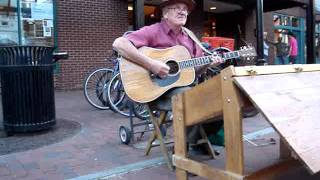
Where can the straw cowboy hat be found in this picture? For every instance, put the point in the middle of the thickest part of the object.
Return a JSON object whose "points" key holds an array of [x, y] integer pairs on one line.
{"points": [[190, 3]]}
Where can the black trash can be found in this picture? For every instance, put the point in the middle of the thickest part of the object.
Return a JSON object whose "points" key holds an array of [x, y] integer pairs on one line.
{"points": [[27, 88]]}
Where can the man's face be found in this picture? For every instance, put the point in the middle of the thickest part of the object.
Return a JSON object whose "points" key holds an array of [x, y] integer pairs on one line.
{"points": [[177, 14]]}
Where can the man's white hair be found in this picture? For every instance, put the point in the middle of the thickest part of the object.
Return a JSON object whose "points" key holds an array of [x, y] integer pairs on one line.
{"points": [[164, 10]]}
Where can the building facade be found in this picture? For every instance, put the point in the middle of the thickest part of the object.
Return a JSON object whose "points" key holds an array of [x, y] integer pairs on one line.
{"points": [[86, 29]]}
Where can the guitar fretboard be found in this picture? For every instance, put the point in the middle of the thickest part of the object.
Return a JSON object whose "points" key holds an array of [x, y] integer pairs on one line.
{"points": [[200, 61]]}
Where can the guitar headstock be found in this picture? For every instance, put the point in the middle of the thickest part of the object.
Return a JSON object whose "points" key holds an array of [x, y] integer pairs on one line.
{"points": [[247, 52]]}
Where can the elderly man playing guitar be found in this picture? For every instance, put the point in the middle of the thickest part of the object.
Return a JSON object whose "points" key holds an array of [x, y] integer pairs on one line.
{"points": [[159, 68]]}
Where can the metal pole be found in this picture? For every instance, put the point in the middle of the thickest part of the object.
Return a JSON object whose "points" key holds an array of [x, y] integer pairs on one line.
{"points": [[138, 10], [259, 32], [19, 22], [311, 55]]}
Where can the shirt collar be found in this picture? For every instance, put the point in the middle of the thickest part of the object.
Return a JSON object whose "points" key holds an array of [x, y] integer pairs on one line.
{"points": [[167, 29], [165, 26]]}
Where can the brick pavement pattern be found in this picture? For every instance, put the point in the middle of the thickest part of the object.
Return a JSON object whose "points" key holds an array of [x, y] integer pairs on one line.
{"points": [[97, 148]]}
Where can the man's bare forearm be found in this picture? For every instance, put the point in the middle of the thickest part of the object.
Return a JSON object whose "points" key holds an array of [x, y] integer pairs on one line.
{"points": [[126, 49]]}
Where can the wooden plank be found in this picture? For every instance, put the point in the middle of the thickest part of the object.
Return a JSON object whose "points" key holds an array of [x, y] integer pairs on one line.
{"points": [[280, 82], [206, 142], [156, 124], [275, 170], [206, 96], [180, 134], [285, 152], [153, 137], [232, 123], [204, 170], [291, 103], [275, 69], [181, 174]]}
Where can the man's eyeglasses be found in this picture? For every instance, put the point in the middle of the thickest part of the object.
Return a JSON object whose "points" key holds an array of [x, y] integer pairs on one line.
{"points": [[178, 9]]}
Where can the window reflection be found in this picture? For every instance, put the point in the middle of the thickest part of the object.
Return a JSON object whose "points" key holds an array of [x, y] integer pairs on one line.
{"points": [[286, 21], [276, 20], [295, 22], [8, 23], [37, 22]]}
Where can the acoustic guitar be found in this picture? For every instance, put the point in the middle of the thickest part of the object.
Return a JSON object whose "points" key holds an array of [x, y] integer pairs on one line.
{"points": [[142, 86]]}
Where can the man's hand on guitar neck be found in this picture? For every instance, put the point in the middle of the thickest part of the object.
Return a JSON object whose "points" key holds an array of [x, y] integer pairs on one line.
{"points": [[159, 68], [216, 60]]}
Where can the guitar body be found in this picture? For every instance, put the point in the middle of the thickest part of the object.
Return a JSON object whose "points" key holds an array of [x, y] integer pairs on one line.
{"points": [[141, 87]]}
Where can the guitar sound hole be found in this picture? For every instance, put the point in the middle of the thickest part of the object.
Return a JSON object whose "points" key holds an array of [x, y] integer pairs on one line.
{"points": [[174, 67]]}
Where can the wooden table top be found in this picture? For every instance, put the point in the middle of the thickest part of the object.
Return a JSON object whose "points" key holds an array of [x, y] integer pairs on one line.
{"points": [[291, 103]]}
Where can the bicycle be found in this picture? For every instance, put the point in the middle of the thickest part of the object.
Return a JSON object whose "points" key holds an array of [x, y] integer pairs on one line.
{"points": [[94, 88], [97, 94], [96, 84]]}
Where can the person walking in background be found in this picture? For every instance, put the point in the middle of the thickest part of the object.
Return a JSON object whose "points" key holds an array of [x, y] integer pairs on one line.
{"points": [[318, 50], [265, 47], [281, 49], [293, 48]]}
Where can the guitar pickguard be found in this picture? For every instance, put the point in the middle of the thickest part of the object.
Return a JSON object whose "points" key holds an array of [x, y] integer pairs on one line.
{"points": [[166, 81]]}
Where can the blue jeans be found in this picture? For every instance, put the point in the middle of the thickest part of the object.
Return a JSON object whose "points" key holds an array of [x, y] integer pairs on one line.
{"points": [[266, 58], [293, 59], [281, 59]]}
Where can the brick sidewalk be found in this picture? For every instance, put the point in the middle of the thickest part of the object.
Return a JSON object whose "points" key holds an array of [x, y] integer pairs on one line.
{"points": [[96, 152], [95, 148]]}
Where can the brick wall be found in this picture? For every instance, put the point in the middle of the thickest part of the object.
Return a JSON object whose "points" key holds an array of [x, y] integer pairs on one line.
{"points": [[86, 30]]}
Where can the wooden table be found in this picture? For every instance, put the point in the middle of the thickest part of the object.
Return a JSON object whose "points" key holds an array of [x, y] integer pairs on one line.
{"points": [[287, 95]]}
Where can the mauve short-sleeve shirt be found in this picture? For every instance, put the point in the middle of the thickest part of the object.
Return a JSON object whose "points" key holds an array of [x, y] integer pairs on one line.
{"points": [[160, 36]]}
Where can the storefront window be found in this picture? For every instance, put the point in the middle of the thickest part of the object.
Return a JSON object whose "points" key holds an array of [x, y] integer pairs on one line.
{"points": [[295, 22], [276, 20], [130, 17], [149, 17], [8, 23], [285, 21], [37, 22], [26, 22]]}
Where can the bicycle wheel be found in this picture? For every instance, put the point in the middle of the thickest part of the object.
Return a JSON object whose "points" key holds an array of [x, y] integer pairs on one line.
{"points": [[117, 98], [95, 88]]}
